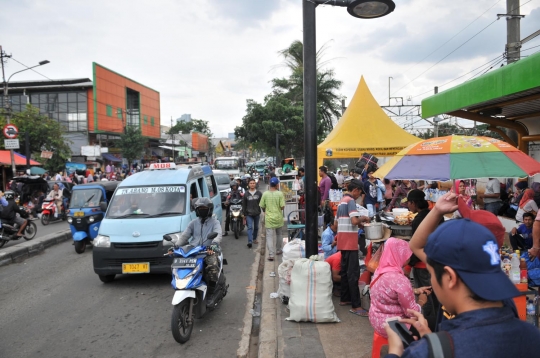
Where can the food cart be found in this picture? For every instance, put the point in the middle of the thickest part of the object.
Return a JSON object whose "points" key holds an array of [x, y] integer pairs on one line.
{"points": [[289, 186]]}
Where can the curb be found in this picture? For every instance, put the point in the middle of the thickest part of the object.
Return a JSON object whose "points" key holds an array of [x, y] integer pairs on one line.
{"points": [[19, 253]]}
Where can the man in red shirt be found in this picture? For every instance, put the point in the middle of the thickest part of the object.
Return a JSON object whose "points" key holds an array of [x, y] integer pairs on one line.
{"points": [[334, 261]]}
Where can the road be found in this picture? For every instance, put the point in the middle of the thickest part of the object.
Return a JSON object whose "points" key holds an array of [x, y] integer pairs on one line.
{"points": [[54, 305], [42, 231]]}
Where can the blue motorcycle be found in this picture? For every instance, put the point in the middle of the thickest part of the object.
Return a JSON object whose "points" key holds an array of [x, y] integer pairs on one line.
{"points": [[190, 299], [87, 207]]}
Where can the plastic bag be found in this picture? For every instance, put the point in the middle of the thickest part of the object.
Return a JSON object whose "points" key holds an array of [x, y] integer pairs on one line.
{"points": [[374, 261]]}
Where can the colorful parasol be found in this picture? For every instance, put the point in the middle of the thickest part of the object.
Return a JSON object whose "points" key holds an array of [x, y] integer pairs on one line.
{"points": [[459, 157]]}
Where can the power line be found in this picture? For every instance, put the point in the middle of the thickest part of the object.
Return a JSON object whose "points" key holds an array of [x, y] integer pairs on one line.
{"points": [[460, 31], [442, 59]]}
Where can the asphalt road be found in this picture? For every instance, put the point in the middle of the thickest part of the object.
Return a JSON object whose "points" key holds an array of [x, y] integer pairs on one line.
{"points": [[54, 305], [54, 226]]}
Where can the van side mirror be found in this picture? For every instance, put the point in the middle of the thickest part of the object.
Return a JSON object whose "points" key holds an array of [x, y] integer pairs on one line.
{"points": [[212, 236], [103, 206]]}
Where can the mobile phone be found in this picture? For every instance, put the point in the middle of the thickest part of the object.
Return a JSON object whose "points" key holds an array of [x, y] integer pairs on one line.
{"points": [[402, 331]]}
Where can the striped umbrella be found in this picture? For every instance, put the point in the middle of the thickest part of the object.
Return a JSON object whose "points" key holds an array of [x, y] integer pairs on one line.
{"points": [[459, 157]]}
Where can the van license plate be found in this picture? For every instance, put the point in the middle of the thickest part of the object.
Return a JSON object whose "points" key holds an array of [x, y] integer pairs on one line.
{"points": [[137, 267], [78, 214]]}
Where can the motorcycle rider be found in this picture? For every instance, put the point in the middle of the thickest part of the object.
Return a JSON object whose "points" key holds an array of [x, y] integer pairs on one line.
{"points": [[196, 234], [9, 213], [56, 195], [235, 193]]}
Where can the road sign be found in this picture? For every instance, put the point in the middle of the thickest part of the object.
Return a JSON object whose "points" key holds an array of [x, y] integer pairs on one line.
{"points": [[46, 154], [10, 131], [11, 143]]}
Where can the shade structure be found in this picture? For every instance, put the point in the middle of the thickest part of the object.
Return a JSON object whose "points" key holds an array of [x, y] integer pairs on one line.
{"points": [[364, 128], [458, 157], [5, 159], [37, 171]]}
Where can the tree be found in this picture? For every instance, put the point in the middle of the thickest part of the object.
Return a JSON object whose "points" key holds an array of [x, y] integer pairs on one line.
{"points": [[196, 125], [132, 143], [446, 129], [45, 134]]}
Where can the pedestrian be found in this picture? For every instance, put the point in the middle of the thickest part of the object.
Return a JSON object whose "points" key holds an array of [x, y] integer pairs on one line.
{"points": [[272, 204], [370, 188], [526, 205], [252, 211], [324, 185], [328, 240], [492, 196], [463, 259], [402, 189], [521, 237], [347, 242]]}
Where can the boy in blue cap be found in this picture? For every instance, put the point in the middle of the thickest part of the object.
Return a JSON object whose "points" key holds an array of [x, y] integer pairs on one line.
{"points": [[463, 260]]}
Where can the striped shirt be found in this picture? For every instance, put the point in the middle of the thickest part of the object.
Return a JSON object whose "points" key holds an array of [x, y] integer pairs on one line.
{"points": [[347, 237]]}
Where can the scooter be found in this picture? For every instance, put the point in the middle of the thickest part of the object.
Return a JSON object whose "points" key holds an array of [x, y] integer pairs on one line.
{"points": [[190, 299], [9, 232], [48, 209], [237, 217]]}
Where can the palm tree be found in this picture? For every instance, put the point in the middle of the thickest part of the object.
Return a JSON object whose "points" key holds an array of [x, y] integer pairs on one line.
{"points": [[328, 100]]}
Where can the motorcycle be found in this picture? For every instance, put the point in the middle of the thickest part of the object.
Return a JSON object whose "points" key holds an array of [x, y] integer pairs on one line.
{"points": [[237, 217], [9, 231], [48, 209], [190, 300]]}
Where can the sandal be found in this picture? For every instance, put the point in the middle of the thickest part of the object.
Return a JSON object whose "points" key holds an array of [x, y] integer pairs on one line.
{"points": [[279, 252], [345, 303], [255, 242], [362, 312], [270, 258]]}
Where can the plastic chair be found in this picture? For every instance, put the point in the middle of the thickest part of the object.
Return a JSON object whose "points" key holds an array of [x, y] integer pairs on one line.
{"points": [[378, 342], [295, 230]]}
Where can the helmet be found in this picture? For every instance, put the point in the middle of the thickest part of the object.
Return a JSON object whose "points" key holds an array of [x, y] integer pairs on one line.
{"points": [[236, 178], [233, 183], [203, 202], [9, 195], [248, 176]]}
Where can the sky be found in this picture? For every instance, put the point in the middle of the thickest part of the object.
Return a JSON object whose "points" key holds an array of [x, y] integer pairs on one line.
{"points": [[208, 57]]}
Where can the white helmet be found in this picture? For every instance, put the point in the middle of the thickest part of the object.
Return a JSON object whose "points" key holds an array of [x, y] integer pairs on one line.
{"points": [[247, 176], [236, 178]]}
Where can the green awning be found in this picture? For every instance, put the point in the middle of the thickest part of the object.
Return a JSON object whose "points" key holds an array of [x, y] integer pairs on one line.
{"points": [[517, 80]]}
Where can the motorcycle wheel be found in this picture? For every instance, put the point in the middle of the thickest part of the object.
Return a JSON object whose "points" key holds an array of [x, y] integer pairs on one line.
{"points": [[2, 242], [80, 246], [106, 278], [180, 327], [45, 219], [236, 229], [30, 231]]}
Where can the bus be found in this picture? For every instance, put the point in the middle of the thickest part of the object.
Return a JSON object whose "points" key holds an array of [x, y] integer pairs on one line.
{"points": [[230, 165]]}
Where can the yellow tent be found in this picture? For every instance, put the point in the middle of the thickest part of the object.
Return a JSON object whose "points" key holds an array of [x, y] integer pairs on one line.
{"points": [[364, 128]]}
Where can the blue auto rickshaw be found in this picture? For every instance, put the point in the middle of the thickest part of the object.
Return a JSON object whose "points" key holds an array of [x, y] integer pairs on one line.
{"points": [[86, 210]]}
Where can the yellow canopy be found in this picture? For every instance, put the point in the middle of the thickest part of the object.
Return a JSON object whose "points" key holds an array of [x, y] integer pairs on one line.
{"points": [[364, 128]]}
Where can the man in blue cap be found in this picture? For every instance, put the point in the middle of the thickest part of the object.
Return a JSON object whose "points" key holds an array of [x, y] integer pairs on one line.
{"points": [[464, 262]]}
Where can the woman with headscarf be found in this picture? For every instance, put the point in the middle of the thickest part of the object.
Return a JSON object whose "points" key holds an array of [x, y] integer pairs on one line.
{"points": [[526, 205], [390, 290], [536, 188]]}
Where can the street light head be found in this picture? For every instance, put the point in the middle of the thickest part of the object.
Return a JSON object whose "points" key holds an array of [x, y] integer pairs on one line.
{"points": [[44, 62], [370, 9]]}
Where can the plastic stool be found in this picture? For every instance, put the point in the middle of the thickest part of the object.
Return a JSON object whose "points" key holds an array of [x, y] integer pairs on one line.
{"points": [[378, 342]]}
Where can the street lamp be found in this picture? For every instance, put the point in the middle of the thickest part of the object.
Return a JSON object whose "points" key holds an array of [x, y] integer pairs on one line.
{"points": [[365, 9], [6, 100]]}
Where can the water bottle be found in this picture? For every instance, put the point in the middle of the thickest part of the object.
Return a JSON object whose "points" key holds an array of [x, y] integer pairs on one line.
{"points": [[515, 274], [530, 312]]}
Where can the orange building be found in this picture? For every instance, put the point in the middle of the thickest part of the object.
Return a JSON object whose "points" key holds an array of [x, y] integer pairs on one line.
{"points": [[116, 101]]}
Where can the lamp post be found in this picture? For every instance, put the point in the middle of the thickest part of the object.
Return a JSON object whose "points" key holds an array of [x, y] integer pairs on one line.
{"points": [[365, 9], [6, 100]]}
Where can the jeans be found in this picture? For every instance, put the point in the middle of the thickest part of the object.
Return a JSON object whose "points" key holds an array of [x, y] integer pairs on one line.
{"points": [[350, 274], [370, 209], [270, 240], [493, 207], [252, 227]]}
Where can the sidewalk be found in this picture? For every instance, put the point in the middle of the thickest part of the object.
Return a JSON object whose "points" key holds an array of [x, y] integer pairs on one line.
{"points": [[351, 337]]}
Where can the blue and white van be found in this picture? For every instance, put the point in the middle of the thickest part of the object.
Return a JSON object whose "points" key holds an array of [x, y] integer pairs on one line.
{"points": [[146, 206]]}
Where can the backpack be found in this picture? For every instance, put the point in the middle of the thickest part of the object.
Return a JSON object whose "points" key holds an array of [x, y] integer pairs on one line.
{"points": [[440, 345]]}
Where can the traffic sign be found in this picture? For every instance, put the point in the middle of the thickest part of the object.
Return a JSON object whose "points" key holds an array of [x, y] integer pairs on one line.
{"points": [[11, 143], [10, 131]]}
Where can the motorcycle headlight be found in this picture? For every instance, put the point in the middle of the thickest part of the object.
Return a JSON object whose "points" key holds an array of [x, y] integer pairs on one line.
{"points": [[91, 219], [69, 219], [102, 241], [183, 282]]}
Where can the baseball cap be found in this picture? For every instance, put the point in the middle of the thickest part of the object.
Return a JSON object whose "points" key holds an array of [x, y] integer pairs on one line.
{"points": [[274, 181], [471, 250], [484, 218]]}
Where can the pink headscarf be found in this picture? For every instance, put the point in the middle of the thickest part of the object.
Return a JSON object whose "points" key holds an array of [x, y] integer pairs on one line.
{"points": [[395, 253]]}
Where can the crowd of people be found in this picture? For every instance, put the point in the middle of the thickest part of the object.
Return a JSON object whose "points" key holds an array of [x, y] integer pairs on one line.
{"points": [[457, 285]]}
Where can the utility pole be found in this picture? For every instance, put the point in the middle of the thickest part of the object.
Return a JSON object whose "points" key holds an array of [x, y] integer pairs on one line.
{"points": [[513, 33], [7, 107], [172, 136], [436, 120]]}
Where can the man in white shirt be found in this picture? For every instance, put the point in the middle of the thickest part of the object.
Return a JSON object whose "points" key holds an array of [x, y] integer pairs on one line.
{"points": [[492, 196]]}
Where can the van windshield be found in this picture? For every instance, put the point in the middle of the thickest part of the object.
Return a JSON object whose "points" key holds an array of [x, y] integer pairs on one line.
{"points": [[222, 179], [148, 201], [85, 198], [226, 164]]}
